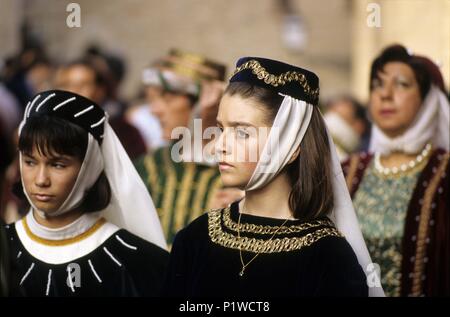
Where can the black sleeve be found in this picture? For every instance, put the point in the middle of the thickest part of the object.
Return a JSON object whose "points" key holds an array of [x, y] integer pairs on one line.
{"points": [[4, 262], [340, 272], [155, 269], [147, 265], [176, 281]]}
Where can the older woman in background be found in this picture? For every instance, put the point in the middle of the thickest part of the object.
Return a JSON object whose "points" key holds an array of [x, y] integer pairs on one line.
{"points": [[400, 189]]}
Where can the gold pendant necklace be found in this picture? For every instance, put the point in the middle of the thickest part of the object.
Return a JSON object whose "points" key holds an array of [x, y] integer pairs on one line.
{"points": [[244, 266]]}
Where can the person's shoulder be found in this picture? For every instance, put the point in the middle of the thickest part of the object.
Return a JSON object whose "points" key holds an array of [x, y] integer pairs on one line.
{"points": [[9, 230], [198, 226], [144, 261], [5, 232], [335, 247], [329, 243], [437, 169], [335, 253], [440, 157], [338, 268], [131, 242], [5, 227], [197, 230]]}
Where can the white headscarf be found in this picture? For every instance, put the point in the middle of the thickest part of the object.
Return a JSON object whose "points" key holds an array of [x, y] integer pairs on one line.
{"points": [[345, 137], [291, 123], [131, 206], [432, 123]]}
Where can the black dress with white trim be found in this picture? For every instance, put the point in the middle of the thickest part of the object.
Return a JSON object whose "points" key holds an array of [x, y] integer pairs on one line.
{"points": [[112, 262]]}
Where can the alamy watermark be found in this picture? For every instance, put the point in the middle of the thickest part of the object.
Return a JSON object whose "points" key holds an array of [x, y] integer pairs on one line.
{"points": [[73, 276], [373, 273], [242, 145], [73, 20], [374, 16]]}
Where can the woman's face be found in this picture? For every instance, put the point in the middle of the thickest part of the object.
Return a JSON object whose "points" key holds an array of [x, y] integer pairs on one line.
{"points": [[49, 180], [172, 110], [245, 129], [395, 99]]}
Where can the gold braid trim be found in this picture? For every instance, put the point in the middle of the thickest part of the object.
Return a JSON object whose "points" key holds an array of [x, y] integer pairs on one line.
{"points": [[259, 229], [166, 211], [57, 243], [200, 194], [425, 215], [182, 199], [152, 179], [254, 245], [279, 80]]}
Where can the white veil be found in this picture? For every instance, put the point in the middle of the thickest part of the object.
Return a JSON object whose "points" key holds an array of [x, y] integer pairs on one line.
{"points": [[131, 206]]}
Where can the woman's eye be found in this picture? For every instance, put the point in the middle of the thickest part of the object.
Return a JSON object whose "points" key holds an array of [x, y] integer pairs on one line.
{"points": [[29, 163], [58, 165], [402, 83], [242, 133]]}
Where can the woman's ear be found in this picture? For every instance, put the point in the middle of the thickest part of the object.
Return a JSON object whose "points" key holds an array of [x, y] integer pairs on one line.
{"points": [[295, 155]]}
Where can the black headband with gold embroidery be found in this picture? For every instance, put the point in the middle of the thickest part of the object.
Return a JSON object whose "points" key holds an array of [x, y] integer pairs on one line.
{"points": [[283, 78]]}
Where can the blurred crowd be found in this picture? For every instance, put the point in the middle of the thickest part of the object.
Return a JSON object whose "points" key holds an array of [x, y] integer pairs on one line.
{"points": [[388, 179]]}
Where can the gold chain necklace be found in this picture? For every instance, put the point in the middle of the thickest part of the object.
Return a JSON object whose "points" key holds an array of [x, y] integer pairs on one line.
{"points": [[244, 266]]}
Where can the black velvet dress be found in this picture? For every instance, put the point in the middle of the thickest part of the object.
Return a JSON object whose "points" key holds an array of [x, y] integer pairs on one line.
{"points": [[4, 262], [121, 265], [302, 259]]}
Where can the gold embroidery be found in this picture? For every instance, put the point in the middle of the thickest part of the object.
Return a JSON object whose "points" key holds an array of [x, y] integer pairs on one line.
{"points": [[279, 80], [183, 196], [354, 161], [55, 243], [425, 214], [254, 245], [150, 165], [171, 184], [199, 199], [259, 229]]}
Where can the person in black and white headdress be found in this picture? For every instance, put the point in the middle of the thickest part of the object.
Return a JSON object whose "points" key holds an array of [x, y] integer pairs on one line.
{"points": [[295, 233], [92, 229]]}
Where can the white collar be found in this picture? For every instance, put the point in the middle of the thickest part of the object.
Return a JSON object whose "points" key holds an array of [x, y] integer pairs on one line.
{"points": [[46, 251], [79, 226]]}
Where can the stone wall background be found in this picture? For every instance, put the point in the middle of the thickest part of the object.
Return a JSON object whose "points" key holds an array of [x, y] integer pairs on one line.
{"points": [[340, 45]]}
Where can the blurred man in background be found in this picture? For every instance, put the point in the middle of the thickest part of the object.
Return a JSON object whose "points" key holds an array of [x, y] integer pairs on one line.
{"points": [[182, 87], [347, 121], [92, 79]]}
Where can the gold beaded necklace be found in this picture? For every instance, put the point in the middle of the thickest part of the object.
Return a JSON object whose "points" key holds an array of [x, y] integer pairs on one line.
{"points": [[244, 266]]}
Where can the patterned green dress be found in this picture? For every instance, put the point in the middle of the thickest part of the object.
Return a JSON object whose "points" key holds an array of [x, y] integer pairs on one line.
{"points": [[381, 203], [180, 191]]}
